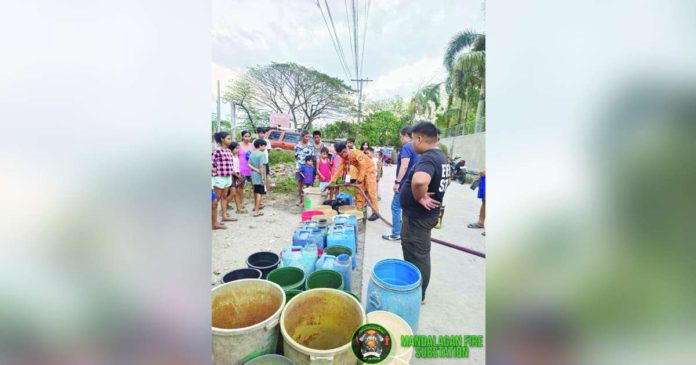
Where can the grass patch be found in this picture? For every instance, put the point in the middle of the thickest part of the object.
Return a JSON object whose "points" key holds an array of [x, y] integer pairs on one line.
{"points": [[285, 185], [277, 157]]}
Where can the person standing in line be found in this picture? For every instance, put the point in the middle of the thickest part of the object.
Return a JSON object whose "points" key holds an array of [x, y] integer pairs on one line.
{"points": [[221, 160], [421, 198], [318, 146], [237, 180], [404, 164], [364, 146], [257, 160], [245, 149], [261, 133], [482, 196], [325, 168], [302, 149]]}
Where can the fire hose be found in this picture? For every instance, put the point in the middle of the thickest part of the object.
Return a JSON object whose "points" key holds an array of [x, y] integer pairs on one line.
{"points": [[444, 243]]}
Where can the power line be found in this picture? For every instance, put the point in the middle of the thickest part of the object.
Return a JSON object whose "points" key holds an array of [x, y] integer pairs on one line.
{"points": [[338, 40], [350, 31], [362, 57], [338, 54], [355, 37]]}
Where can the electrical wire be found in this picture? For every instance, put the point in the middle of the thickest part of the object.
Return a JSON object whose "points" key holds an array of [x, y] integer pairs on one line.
{"points": [[341, 61], [338, 40]]}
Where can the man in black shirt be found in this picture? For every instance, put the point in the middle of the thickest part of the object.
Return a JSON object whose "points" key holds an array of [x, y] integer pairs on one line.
{"points": [[421, 197]]}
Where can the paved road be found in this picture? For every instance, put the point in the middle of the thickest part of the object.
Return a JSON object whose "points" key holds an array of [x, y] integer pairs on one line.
{"points": [[456, 294]]}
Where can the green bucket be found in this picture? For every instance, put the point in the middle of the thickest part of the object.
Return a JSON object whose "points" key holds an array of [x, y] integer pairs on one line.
{"points": [[289, 294], [288, 277], [336, 250], [325, 279]]}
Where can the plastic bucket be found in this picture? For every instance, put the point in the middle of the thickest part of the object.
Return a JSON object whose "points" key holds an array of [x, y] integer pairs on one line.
{"points": [[395, 286], [317, 327], [288, 277], [336, 250], [245, 315], [264, 261], [307, 215], [245, 273], [324, 279], [291, 293], [353, 295], [313, 197], [397, 327], [270, 360]]}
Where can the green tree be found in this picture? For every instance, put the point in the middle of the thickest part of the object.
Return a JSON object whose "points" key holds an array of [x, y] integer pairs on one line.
{"points": [[381, 128], [339, 130]]}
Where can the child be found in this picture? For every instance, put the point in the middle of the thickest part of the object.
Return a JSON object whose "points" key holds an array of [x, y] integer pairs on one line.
{"points": [[325, 169], [221, 170], [257, 161], [308, 172], [237, 179]]}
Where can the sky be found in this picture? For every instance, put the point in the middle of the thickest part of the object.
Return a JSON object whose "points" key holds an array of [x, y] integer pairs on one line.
{"points": [[405, 39]]}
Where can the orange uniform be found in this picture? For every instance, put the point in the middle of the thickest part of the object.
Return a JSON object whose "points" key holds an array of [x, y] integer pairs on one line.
{"points": [[366, 176]]}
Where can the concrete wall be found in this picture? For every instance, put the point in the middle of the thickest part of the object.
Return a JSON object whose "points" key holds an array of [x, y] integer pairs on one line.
{"points": [[470, 147]]}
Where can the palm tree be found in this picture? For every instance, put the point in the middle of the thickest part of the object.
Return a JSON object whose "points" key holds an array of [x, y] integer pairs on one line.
{"points": [[467, 71], [426, 101]]}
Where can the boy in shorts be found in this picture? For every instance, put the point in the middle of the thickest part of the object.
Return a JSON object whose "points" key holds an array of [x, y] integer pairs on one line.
{"points": [[257, 162]]}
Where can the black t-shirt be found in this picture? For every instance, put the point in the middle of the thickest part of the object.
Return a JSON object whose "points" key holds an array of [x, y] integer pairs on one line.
{"points": [[434, 163]]}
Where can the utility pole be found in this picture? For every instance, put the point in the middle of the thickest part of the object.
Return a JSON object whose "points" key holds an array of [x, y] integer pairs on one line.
{"points": [[218, 106], [360, 87], [234, 119]]}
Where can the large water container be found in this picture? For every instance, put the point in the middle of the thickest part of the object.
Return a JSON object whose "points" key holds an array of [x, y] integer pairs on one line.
{"points": [[345, 197], [309, 257], [326, 262], [303, 236], [323, 229], [292, 257], [345, 236], [395, 286], [343, 265]]}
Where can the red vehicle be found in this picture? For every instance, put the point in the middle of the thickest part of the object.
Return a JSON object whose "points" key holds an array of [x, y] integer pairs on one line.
{"points": [[283, 140]]}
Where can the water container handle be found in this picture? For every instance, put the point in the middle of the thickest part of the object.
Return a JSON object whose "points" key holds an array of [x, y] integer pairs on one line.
{"points": [[373, 298], [270, 325], [321, 360]]}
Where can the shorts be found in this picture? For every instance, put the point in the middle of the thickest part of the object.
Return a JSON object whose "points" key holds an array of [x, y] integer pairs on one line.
{"points": [[298, 177], [259, 189], [482, 188], [222, 182], [307, 185], [322, 185]]}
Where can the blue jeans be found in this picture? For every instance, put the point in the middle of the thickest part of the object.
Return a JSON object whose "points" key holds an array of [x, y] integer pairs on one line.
{"points": [[396, 214]]}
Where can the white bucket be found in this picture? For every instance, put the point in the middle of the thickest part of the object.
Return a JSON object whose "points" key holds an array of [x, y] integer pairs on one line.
{"points": [[313, 197], [245, 315], [317, 327], [397, 327]]}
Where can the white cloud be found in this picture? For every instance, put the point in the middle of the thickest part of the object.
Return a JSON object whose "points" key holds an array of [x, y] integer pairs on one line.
{"points": [[407, 79], [224, 74]]}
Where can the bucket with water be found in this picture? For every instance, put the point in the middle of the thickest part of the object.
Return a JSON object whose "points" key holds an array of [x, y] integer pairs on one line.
{"points": [[397, 327], [317, 327], [245, 315]]}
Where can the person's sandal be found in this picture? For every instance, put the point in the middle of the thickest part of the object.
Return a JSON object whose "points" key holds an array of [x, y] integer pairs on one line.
{"points": [[258, 214], [475, 225]]}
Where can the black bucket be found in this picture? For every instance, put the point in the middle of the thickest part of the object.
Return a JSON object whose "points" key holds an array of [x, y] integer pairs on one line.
{"points": [[264, 261], [245, 273]]}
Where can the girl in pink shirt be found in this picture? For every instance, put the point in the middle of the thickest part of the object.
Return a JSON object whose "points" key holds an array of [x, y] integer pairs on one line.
{"points": [[325, 168], [244, 147]]}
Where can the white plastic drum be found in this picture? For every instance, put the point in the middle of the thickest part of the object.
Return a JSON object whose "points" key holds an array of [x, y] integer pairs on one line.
{"points": [[397, 327]]}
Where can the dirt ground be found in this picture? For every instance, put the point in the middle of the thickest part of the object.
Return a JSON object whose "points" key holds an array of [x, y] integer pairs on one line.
{"points": [[270, 232]]}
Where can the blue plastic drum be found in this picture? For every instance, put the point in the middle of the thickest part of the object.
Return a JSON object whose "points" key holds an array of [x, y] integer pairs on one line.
{"points": [[395, 286]]}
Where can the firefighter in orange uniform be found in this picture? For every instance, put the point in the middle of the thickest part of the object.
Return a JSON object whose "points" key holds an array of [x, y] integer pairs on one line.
{"points": [[366, 176]]}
